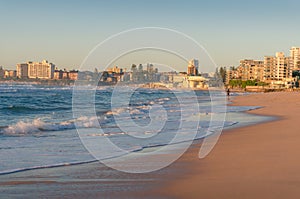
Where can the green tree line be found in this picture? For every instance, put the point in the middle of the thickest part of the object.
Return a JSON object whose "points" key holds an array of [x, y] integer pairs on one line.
{"points": [[242, 84]]}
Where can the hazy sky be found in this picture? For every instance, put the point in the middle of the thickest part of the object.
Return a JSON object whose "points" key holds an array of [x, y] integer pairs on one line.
{"points": [[64, 32]]}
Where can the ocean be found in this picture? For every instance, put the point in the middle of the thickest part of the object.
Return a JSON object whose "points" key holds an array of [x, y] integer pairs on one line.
{"points": [[39, 127]]}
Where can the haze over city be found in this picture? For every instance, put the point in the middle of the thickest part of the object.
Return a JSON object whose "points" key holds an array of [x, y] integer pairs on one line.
{"points": [[65, 32]]}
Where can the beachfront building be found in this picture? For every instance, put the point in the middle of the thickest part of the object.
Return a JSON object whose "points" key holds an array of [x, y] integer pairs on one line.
{"points": [[232, 73], [64, 74], [57, 74], [197, 82], [22, 70], [178, 80], [40, 70], [193, 67], [73, 74], [295, 56], [114, 69], [278, 69], [274, 70], [250, 69], [193, 78], [115, 74], [10, 74]]}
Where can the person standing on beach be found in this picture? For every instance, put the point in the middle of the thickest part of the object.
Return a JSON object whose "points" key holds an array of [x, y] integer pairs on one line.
{"points": [[228, 92]]}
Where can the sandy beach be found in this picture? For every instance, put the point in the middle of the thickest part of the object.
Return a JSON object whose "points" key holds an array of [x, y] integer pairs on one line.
{"points": [[260, 161]]}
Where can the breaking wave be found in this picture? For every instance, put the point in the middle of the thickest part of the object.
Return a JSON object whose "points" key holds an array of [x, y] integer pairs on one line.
{"points": [[38, 125]]}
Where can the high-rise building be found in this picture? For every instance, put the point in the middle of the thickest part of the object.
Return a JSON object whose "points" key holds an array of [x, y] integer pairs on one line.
{"points": [[41, 70], [295, 56], [22, 70], [150, 68], [278, 68], [193, 67], [151, 73], [140, 67]]}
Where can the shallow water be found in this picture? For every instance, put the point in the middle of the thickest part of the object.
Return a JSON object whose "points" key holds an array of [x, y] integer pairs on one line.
{"points": [[38, 128]]}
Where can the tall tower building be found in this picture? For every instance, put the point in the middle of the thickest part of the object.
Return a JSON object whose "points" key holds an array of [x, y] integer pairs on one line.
{"points": [[193, 67], [295, 56]]}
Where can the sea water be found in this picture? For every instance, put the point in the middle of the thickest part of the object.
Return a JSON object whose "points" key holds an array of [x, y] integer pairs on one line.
{"points": [[38, 126]]}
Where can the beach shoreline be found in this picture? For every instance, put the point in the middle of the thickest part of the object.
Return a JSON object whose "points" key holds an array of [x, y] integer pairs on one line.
{"points": [[258, 161]]}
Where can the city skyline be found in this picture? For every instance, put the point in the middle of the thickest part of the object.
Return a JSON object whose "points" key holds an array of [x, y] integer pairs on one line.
{"points": [[65, 32]]}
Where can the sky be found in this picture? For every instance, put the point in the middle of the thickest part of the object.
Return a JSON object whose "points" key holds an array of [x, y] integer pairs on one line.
{"points": [[64, 32]]}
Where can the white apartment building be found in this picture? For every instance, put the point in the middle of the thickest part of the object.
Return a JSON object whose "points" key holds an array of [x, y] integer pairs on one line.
{"points": [[41, 70], [295, 56], [278, 68]]}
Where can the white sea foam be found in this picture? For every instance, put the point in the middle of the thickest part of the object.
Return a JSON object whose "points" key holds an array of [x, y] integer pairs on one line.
{"points": [[164, 99], [136, 111], [87, 122], [24, 127], [38, 125], [116, 111]]}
